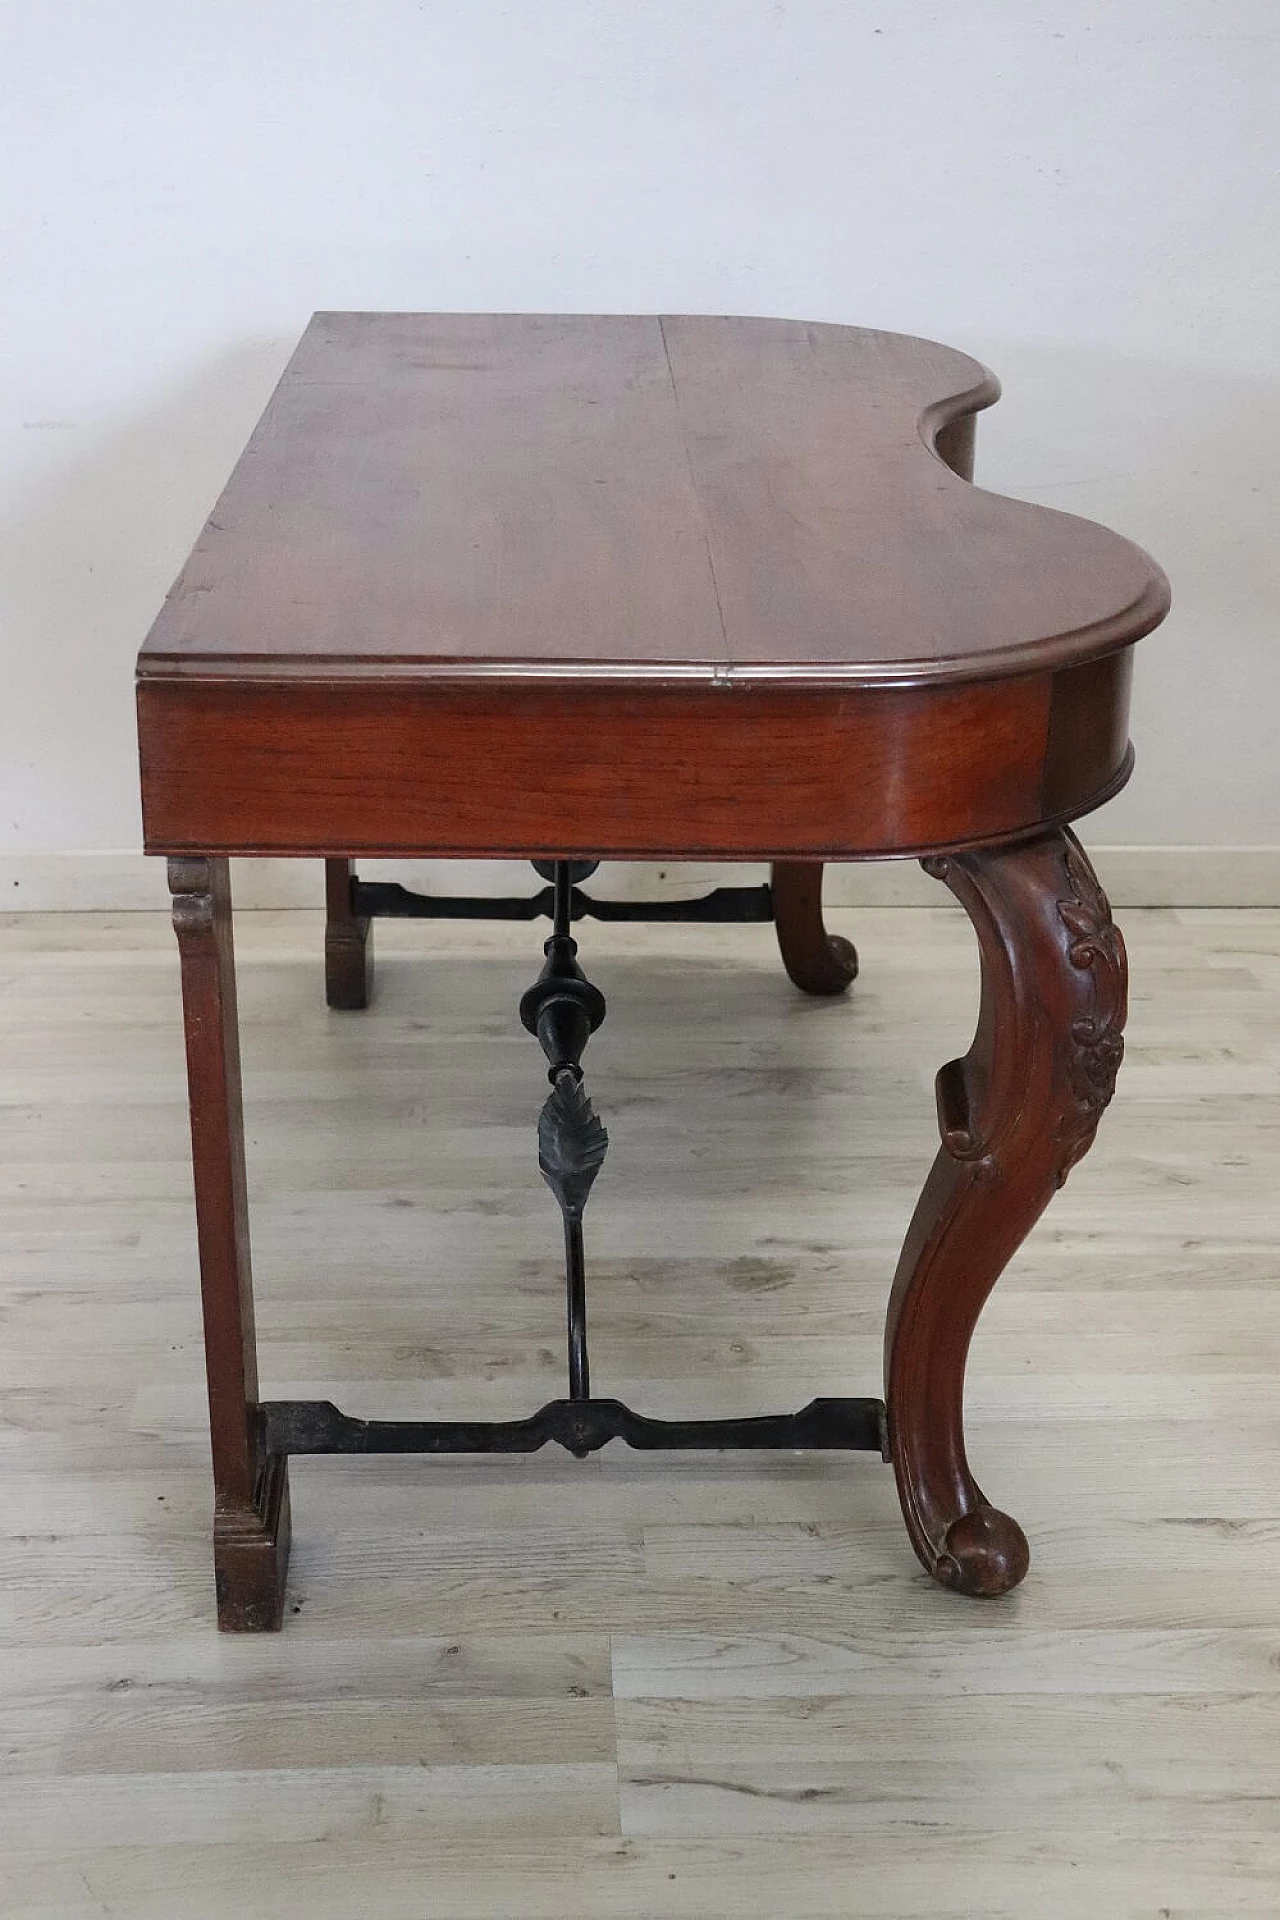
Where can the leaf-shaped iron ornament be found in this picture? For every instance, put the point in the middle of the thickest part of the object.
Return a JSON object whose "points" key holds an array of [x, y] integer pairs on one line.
{"points": [[563, 1009], [572, 1142]]}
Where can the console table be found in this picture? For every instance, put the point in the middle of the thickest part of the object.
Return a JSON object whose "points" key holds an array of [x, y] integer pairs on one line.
{"points": [[576, 588]]}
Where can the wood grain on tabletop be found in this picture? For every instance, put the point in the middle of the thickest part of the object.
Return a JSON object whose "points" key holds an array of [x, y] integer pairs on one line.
{"points": [[464, 492]]}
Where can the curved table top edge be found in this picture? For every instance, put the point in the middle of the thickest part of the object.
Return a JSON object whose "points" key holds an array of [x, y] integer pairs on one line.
{"points": [[1077, 648], [1120, 628]]}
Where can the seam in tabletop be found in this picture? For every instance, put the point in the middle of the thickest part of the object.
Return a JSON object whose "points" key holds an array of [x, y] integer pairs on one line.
{"points": [[693, 483]]}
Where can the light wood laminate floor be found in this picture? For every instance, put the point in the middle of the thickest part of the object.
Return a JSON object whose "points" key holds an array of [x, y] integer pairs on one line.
{"points": [[641, 1685]]}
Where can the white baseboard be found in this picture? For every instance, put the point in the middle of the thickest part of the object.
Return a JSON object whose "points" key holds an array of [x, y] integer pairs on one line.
{"points": [[1169, 876]]}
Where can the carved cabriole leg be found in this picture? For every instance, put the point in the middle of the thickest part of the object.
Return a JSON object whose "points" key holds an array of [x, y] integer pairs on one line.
{"points": [[251, 1488], [1015, 1115], [815, 960], [348, 943]]}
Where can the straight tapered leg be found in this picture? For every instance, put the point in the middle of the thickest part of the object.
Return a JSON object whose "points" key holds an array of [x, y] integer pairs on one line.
{"points": [[348, 942], [251, 1489], [1015, 1115]]}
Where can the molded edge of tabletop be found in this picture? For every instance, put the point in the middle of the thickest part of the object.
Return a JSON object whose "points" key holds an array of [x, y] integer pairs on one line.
{"points": [[976, 388]]}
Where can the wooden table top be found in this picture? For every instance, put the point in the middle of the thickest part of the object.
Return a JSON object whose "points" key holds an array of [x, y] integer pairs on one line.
{"points": [[465, 497]]}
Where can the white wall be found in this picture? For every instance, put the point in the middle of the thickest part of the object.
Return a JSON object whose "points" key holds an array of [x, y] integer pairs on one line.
{"points": [[1081, 192]]}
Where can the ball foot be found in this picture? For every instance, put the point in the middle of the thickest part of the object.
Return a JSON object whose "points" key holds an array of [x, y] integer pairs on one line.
{"points": [[984, 1553]]}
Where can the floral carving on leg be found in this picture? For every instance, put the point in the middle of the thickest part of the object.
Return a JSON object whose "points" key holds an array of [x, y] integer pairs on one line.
{"points": [[1097, 1037], [1015, 1115]]}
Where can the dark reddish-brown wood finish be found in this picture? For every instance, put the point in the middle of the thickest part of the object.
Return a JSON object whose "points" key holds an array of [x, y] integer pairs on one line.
{"points": [[251, 1489], [534, 770], [348, 942], [816, 961], [1015, 1116], [635, 497], [589, 587]]}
